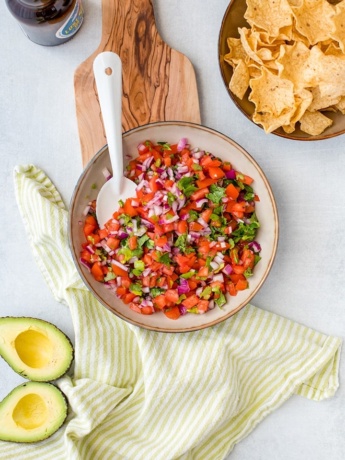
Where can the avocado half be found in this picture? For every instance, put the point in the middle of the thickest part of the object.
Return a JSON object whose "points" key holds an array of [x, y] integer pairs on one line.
{"points": [[34, 348], [32, 412]]}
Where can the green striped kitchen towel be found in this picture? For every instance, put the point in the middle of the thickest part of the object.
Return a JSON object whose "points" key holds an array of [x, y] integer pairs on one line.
{"points": [[137, 394]]}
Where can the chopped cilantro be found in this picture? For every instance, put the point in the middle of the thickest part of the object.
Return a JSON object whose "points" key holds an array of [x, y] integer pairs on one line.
{"points": [[188, 275], [109, 276], [171, 198], [196, 167], [181, 298], [165, 259], [125, 219], [216, 194], [246, 231], [206, 293], [142, 240], [154, 292], [181, 242], [186, 186], [248, 273], [136, 288], [164, 145], [193, 215]]}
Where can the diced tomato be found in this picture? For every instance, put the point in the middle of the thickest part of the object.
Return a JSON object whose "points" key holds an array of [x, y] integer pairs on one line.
{"points": [[216, 173], [129, 209], [248, 259], [199, 194], [160, 301], [191, 301], [97, 271], [241, 285], [147, 310], [232, 192], [118, 271], [204, 183], [171, 295], [172, 313]]}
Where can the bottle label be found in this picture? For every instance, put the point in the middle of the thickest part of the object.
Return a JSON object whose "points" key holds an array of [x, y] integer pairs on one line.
{"points": [[73, 23]]}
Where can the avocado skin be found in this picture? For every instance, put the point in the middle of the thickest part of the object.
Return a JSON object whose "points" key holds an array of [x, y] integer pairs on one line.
{"points": [[52, 326], [64, 399]]}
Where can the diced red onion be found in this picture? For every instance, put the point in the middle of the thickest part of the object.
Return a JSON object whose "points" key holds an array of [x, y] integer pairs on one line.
{"points": [[183, 309], [122, 235], [182, 144], [218, 260], [183, 287], [147, 224], [105, 246], [146, 289], [164, 220], [230, 174], [146, 272], [107, 174], [227, 269], [201, 202], [214, 265], [255, 246], [198, 154], [141, 185], [147, 162], [85, 263], [211, 305], [90, 249], [218, 277], [120, 265], [86, 211], [202, 222]]}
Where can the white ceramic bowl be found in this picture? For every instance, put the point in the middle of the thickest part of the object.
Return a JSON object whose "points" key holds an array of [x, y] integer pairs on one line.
{"points": [[221, 146]]}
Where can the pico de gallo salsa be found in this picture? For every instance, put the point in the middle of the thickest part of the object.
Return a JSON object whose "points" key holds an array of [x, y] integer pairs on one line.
{"points": [[185, 241]]}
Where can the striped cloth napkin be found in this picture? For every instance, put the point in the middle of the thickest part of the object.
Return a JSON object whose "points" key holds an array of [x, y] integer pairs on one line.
{"points": [[138, 394]]}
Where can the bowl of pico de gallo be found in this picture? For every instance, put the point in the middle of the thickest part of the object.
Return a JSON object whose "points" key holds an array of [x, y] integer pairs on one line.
{"points": [[195, 243]]}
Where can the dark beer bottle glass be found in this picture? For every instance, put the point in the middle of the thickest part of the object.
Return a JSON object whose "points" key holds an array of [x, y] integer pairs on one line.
{"points": [[48, 22]]}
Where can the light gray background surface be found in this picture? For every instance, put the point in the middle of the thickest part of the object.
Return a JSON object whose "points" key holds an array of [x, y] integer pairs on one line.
{"points": [[38, 125]]}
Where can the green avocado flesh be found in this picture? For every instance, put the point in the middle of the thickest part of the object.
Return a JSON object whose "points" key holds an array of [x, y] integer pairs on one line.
{"points": [[32, 412], [34, 348]]}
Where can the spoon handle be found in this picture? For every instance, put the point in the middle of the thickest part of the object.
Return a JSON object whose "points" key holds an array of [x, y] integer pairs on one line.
{"points": [[107, 68]]}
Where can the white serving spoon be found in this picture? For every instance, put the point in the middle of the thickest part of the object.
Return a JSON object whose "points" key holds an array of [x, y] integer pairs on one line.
{"points": [[107, 69]]}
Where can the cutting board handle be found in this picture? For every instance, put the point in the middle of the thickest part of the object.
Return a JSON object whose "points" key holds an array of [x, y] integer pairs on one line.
{"points": [[159, 83]]}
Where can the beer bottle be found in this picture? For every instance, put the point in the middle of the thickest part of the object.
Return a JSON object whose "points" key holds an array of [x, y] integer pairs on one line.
{"points": [[48, 22]]}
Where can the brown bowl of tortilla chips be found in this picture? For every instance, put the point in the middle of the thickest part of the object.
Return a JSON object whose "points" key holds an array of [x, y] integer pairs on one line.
{"points": [[283, 64]]}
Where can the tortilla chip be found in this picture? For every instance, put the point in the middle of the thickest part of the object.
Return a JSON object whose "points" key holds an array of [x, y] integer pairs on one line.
{"points": [[328, 72], [322, 101], [236, 51], [315, 123], [314, 20], [291, 64], [302, 102], [339, 21], [271, 94], [341, 105], [280, 15], [249, 40], [240, 80], [271, 122]]}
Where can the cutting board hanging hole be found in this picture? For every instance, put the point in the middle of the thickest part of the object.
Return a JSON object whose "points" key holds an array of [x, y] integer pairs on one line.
{"points": [[108, 71]]}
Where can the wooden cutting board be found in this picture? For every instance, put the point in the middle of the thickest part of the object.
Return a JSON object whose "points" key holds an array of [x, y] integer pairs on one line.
{"points": [[159, 83]]}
